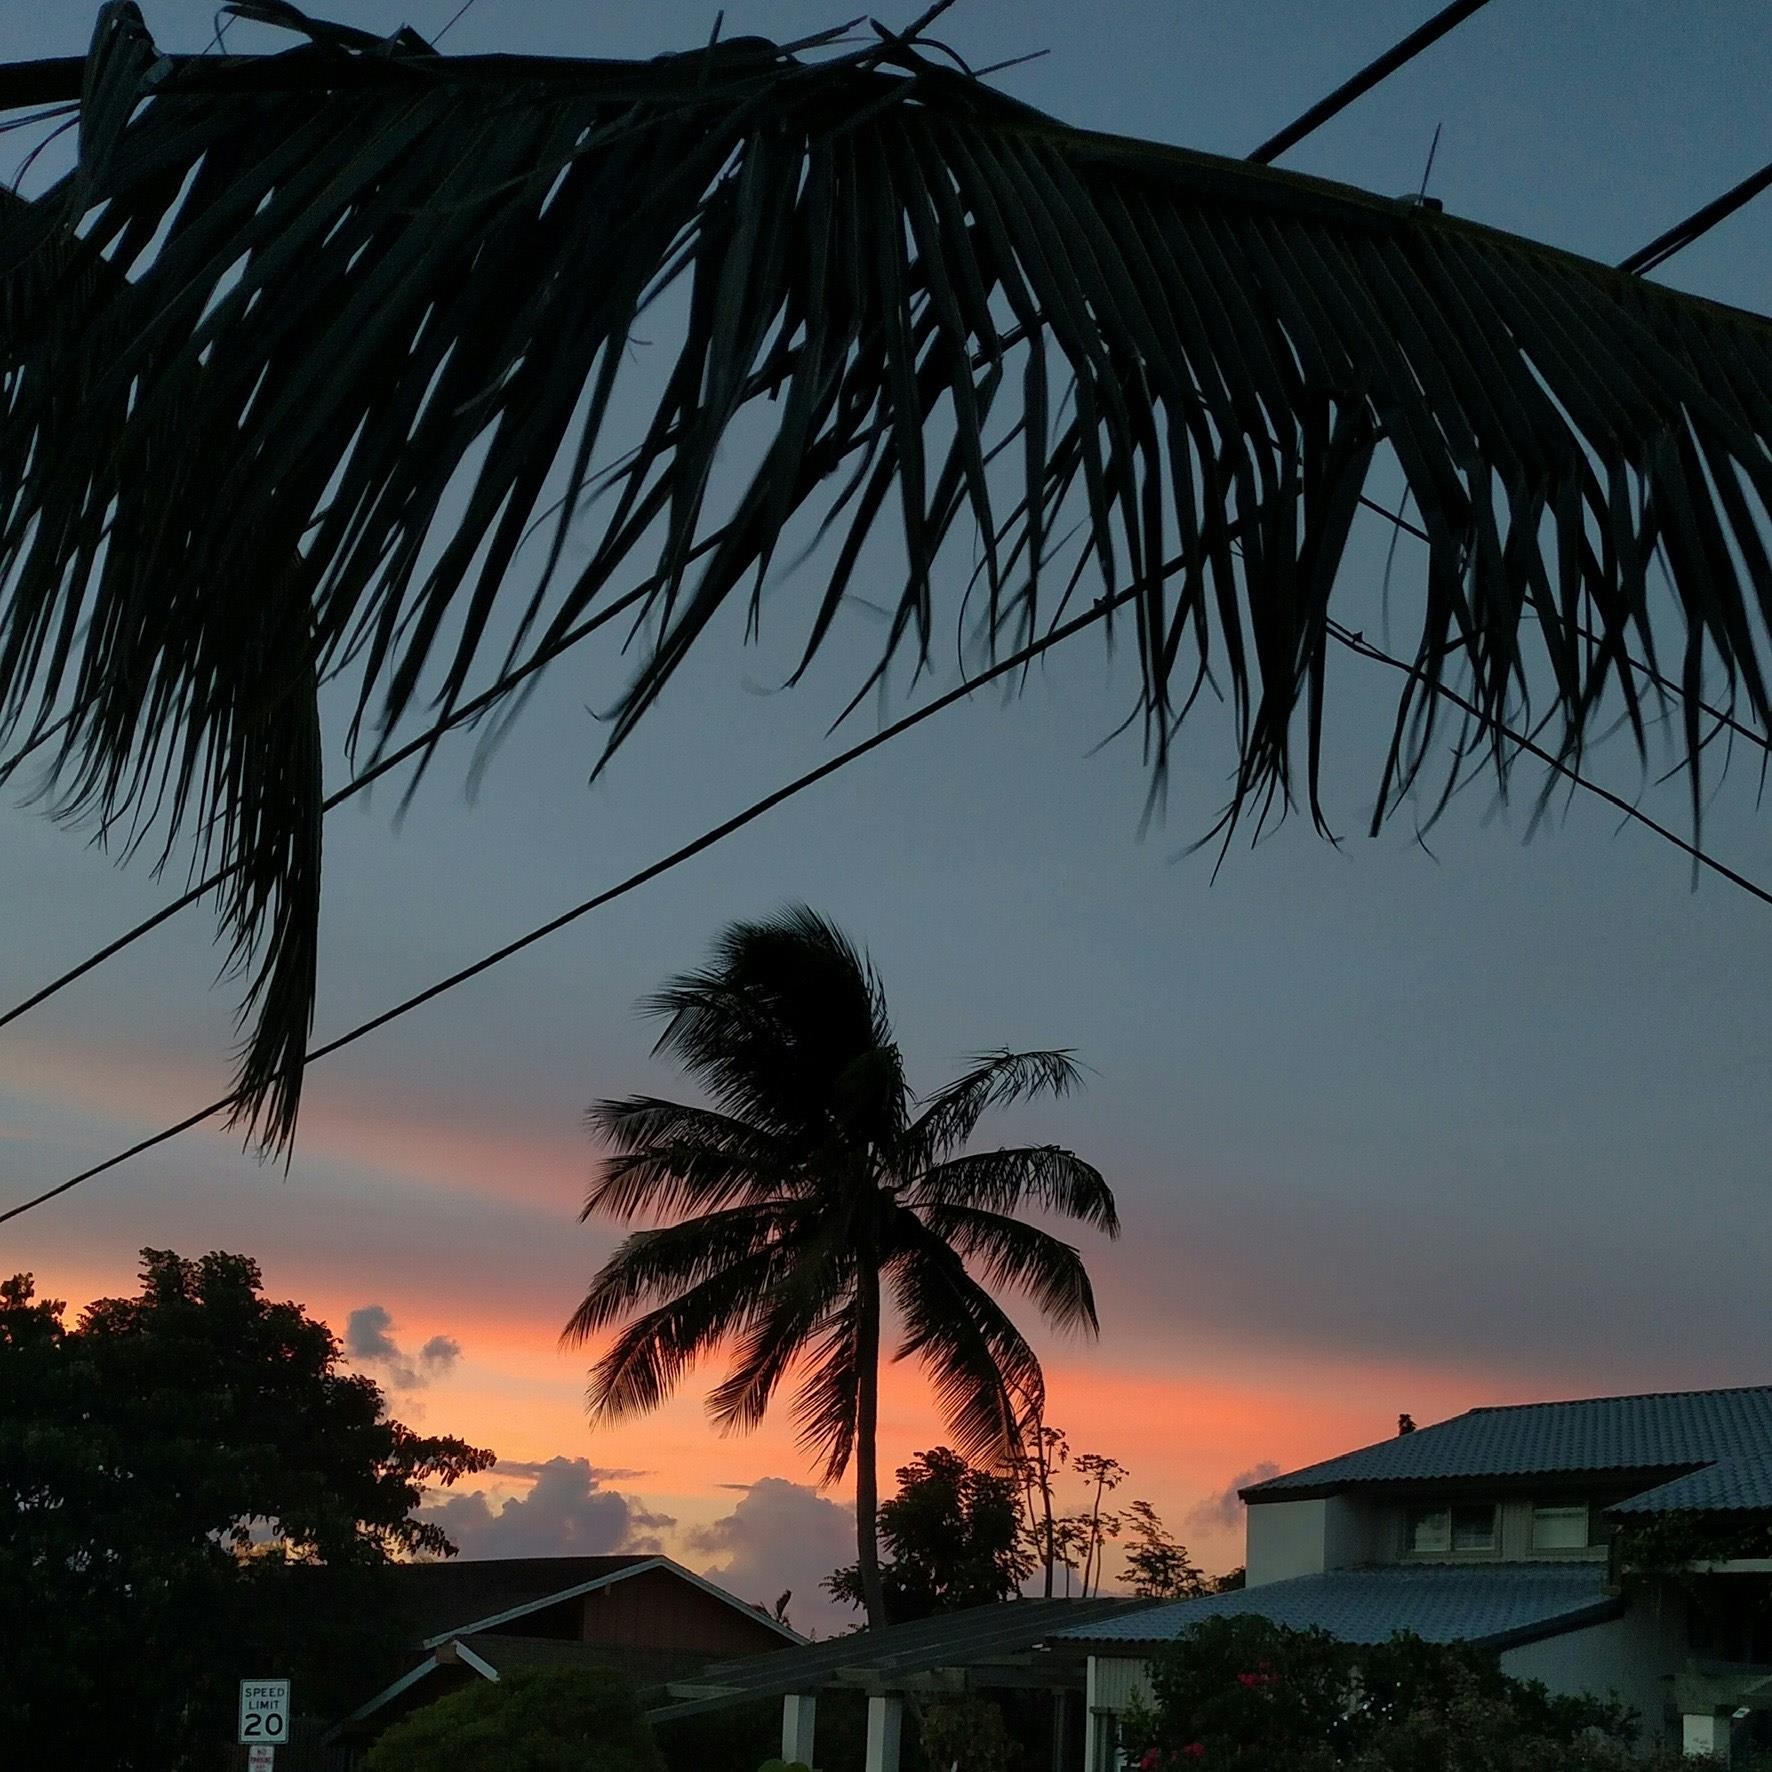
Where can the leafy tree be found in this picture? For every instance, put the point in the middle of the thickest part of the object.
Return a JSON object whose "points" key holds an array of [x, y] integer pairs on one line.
{"points": [[171, 1468], [1104, 1475], [1158, 1564], [881, 296], [1245, 1694], [528, 1720], [967, 1734], [814, 1186], [1043, 1452], [954, 1537]]}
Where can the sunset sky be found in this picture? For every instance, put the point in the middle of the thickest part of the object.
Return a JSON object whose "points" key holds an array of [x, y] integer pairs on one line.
{"points": [[1393, 1126]]}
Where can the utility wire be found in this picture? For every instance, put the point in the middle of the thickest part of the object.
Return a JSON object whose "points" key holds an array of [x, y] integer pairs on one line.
{"points": [[1354, 642], [502, 687], [1368, 77], [1363, 648], [1655, 253], [1700, 222], [706, 840], [459, 716]]}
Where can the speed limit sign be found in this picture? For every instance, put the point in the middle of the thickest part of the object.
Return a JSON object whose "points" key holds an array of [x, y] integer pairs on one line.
{"points": [[264, 1712]]}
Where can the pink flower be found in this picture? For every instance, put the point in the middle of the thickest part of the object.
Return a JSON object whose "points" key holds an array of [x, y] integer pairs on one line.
{"points": [[1195, 1750], [1150, 1761]]}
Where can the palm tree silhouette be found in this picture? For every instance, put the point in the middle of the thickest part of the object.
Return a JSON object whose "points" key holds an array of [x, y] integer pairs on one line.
{"points": [[816, 1186]]}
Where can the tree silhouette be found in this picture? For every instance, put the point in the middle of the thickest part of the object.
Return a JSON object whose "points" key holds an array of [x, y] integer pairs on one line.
{"points": [[813, 1193]]}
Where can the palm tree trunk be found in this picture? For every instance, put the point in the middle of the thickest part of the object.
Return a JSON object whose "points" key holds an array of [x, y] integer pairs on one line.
{"points": [[867, 1419], [1046, 1503]]}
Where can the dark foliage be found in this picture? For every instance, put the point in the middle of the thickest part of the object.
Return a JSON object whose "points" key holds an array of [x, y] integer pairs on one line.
{"points": [[174, 1469], [816, 1190], [953, 1539], [312, 351], [1243, 1694], [529, 1720]]}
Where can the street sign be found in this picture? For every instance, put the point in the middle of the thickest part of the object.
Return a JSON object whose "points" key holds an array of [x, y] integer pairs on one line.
{"points": [[264, 1712], [261, 1757]]}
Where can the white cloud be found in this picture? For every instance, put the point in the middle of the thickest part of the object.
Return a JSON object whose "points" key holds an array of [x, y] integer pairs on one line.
{"points": [[1224, 1510], [566, 1513], [782, 1537], [368, 1342]]}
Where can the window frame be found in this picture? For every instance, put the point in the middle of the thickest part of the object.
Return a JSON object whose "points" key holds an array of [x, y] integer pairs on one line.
{"points": [[1587, 1545], [1450, 1552]]}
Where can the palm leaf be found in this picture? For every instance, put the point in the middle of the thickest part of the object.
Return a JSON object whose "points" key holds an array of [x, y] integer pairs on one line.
{"points": [[996, 1080], [1043, 1177], [678, 1257], [977, 1360], [1022, 1257], [353, 276], [671, 1158], [647, 1360]]}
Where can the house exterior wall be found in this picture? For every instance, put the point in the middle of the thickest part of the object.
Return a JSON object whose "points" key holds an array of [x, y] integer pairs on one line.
{"points": [[1287, 1538], [657, 1610], [1110, 1685], [1633, 1659], [1283, 1539]]}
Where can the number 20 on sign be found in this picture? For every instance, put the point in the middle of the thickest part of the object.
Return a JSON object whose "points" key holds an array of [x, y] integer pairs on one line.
{"points": [[264, 1712]]}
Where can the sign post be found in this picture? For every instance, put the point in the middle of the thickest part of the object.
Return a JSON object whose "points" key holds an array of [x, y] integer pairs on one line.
{"points": [[264, 1716]]}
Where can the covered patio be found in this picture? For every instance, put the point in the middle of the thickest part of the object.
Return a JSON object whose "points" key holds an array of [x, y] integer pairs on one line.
{"points": [[985, 1649]]}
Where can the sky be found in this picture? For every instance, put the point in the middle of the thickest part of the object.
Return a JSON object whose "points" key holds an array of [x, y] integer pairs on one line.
{"points": [[1393, 1126]]}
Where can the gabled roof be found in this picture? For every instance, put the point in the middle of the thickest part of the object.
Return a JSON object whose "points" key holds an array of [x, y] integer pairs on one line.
{"points": [[1495, 1606], [434, 1598], [440, 1601], [1738, 1485], [1666, 1433]]}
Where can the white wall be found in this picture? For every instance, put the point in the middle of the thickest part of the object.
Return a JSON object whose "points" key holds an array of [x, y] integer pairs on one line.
{"points": [[1632, 1658], [1285, 1538], [1113, 1681]]}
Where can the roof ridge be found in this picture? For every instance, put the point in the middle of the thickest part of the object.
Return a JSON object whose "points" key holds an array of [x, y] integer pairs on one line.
{"points": [[1725, 1390]]}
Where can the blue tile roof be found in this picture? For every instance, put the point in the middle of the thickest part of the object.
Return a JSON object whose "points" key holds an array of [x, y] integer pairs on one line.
{"points": [[1506, 1602], [1742, 1484], [1662, 1432]]}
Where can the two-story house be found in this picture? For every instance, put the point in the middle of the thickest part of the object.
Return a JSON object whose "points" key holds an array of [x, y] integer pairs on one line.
{"points": [[1511, 1528]]}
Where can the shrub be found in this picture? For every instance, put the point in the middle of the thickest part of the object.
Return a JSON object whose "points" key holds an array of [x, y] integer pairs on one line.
{"points": [[967, 1735], [531, 1720], [1244, 1694]]}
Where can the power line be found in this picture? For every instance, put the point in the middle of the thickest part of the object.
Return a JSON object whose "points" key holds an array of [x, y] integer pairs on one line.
{"points": [[459, 716], [1700, 222], [502, 687], [1354, 642], [1368, 77], [1363, 648], [455, 18], [706, 840]]}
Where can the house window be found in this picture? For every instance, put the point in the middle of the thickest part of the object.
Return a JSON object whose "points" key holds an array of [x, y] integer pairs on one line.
{"points": [[1466, 1529], [1473, 1528], [1429, 1529], [1560, 1526]]}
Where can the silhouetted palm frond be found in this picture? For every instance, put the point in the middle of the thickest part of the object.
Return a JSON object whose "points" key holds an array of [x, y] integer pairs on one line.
{"points": [[370, 326], [996, 1080]]}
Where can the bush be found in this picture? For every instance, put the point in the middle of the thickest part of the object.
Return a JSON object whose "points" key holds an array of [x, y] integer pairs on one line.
{"points": [[968, 1734], [532, 1720], [1247, 1695]]}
